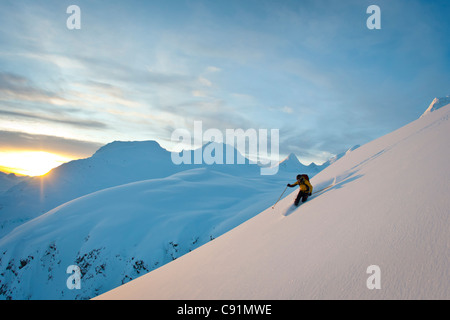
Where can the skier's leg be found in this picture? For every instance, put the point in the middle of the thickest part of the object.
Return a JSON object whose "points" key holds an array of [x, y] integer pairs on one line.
{"points": [[305, 197], [297, 200]]}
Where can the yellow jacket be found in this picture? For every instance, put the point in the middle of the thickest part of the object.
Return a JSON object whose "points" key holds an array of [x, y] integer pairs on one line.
{"points": [[305, 186]]}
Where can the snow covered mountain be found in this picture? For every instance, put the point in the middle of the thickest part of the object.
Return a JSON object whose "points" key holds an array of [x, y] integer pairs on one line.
{"points": [[386, 209], [130, 226], [7, 181], [436, 104], [340, 155], [118, 233], [292, 164], [112, 165]]}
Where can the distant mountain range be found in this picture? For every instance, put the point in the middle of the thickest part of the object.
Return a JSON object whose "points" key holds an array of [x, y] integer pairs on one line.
{"points": [[114, 164]]}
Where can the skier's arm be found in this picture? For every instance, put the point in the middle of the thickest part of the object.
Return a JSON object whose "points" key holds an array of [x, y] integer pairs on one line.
{"points": [[293, 185]]}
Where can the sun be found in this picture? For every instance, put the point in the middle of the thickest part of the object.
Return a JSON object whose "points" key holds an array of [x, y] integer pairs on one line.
{"points": [[30, 163]]}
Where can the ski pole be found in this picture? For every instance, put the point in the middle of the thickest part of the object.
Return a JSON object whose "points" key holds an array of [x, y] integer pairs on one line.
{"points": [[279, 197]]}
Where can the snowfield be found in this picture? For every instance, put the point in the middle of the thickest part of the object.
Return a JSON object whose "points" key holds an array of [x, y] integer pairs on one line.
{"points": [[388, 207]]}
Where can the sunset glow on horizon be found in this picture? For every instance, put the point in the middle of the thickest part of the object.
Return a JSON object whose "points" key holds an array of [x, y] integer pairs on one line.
{"points": [[30, 163]]}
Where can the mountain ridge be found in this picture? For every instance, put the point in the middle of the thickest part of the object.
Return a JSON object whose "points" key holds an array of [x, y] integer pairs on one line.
{"points": [[437, 103]]}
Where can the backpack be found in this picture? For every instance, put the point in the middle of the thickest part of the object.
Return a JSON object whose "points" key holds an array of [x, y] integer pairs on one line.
{"points": [[304, 176]]}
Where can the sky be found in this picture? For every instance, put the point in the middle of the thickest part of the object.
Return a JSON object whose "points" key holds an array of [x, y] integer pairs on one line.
{"points": [[138, 70]]}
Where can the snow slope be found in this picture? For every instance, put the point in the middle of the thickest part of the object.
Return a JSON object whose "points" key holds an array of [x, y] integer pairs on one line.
{"points": [[389, 207]]}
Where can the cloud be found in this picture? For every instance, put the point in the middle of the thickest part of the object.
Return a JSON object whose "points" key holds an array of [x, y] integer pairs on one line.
{"points": [[106, 68], [287, 110], [334, 82], [16, 87], [199, 93], [16, 141], [69, 121], [21, 99], [205, 81], [213, 69], [61, 61], [94, 93]]}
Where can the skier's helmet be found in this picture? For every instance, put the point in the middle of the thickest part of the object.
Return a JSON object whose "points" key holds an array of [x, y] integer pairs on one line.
{"points": [[299, 177]]}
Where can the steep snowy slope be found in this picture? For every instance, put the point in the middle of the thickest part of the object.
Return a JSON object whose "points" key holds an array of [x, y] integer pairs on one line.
{"points": [[388, 207]]}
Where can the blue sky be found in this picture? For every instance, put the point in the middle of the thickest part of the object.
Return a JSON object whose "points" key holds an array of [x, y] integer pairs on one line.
{"points": [[137, 70]]}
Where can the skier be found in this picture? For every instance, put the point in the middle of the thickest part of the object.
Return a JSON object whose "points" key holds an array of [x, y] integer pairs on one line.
{"points": [[305, 188]]}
